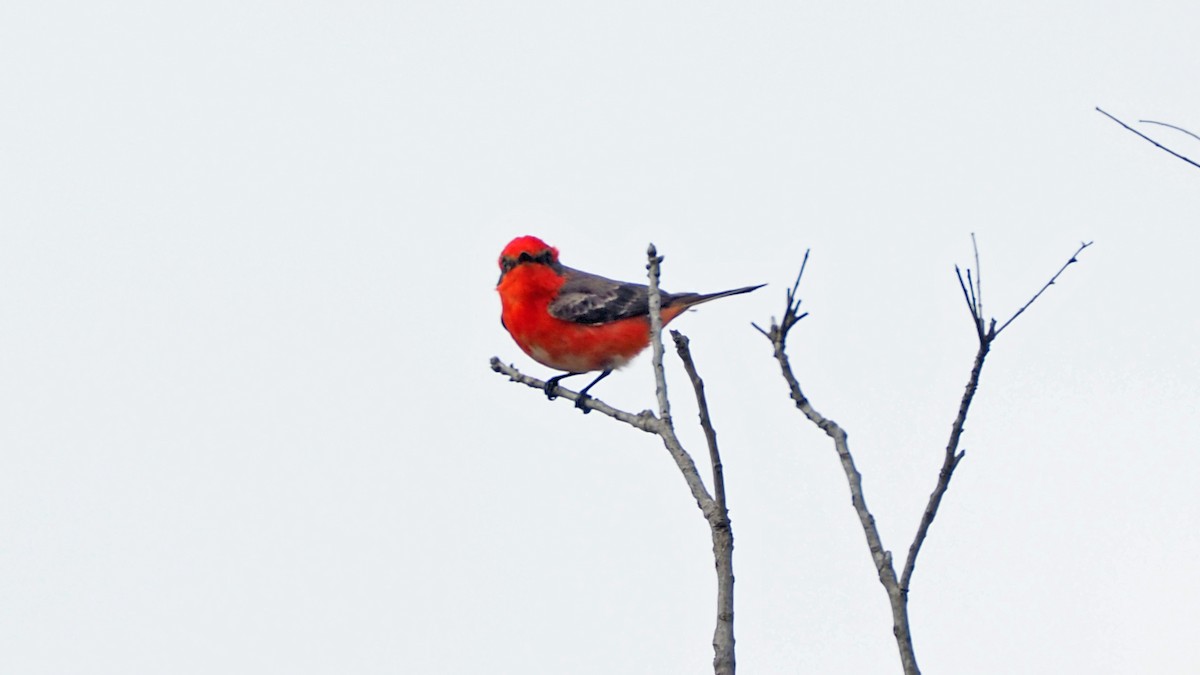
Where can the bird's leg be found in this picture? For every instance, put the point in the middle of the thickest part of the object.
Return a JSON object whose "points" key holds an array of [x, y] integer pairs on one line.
{"points": [[583, 392], [552, 385]]}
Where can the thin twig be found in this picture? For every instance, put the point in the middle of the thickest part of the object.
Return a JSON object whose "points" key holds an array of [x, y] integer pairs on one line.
{"points": [[796, 286], [978, 280], [1171, 126], [793, 314], [971, 288], [975, 318], [710, 435], [1050, 283], [722, 532], [1151, 140]]}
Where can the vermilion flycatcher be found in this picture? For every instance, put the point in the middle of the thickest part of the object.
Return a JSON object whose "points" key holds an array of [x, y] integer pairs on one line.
{"points": [[575, 321]]}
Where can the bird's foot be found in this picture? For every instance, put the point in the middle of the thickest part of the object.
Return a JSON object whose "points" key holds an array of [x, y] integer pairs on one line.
{"points": [[551, 387], [581, 403]]}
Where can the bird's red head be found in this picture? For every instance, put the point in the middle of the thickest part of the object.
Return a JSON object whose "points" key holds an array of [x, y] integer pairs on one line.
{"points": [[531, 246], [527, 249]]}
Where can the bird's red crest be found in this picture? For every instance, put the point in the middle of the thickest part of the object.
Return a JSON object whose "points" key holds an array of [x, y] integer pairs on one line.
{"points": [[527, 244]]}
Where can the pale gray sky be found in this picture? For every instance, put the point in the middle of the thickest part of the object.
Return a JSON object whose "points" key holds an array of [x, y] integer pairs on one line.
{"points": [[247, 259]]}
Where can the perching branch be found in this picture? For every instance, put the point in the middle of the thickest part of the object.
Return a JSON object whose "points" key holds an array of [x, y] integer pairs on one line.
{"points": [[660, 378], [645, 420], [1151, 140], [715, 511], [666, 428], [897, 589]]}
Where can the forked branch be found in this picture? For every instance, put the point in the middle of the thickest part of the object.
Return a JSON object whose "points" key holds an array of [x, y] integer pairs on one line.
{"points": [[897, 589]]}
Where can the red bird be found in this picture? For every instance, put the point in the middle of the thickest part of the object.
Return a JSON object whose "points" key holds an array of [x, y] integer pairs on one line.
{"points": [[575, 321]]}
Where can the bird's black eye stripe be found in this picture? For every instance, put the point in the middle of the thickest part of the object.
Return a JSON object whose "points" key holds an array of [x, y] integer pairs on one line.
{"points": [[543, 258], [508, 263]]}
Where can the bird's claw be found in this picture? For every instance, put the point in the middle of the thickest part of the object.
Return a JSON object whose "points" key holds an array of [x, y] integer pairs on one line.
{"points": [[551, 389]]}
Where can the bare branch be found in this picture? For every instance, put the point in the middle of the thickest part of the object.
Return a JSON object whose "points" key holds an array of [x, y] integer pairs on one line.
{"points": [[971, 288], [715, 511], [880, 556], [1074, 259], [791, 315], [645, 420], [722, 533], [978, 279], [1151, 140], [966, 294], [660, 379], [1171, 126], [897, 590], [975, 318], [796, 286], [718, 517], [666, 428], [952, 458], [710, 435]]}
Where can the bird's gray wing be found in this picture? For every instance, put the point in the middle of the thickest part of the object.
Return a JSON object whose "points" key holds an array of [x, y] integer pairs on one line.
{"points": [[592, 299]]}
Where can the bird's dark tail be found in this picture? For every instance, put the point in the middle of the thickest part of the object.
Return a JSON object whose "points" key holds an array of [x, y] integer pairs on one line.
{"points": [[690, 299]]}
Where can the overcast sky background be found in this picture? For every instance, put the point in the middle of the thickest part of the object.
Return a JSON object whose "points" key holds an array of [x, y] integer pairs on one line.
{"points": [[247, 267]]}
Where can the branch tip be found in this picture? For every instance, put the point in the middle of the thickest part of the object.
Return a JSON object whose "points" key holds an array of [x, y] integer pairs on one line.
{"points": [[1073, 259], [1171, 126], [1147, 138]]}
